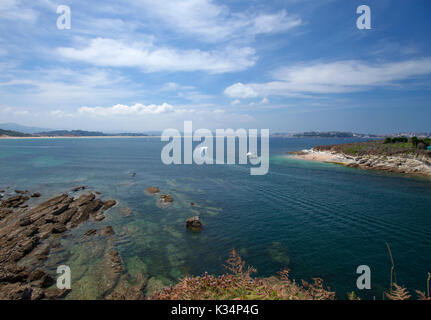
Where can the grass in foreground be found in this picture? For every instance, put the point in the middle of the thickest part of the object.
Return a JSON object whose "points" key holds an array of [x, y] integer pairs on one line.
{"points": [[238, 284]]}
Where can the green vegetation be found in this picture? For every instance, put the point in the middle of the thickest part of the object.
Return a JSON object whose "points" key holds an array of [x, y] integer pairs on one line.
{"points": [[387, 147], [10, 133], [396, 140], [72, 133]]}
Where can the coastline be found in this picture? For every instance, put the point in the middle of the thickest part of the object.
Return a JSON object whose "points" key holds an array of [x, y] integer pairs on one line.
{"points": [[404, 164], [77, 137]]}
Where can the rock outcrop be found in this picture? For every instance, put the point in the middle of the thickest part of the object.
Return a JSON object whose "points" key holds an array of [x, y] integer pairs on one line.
{"points": [[153, 190], [27, 236], [400, 163], [194, 224], [166, 198]]}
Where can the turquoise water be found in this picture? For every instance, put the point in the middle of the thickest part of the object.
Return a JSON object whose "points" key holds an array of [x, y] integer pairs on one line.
{"points": [[319, 220]]}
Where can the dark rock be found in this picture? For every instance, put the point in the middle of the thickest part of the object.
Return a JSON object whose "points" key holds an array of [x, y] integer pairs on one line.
{"points": [[107, 231], [55, 293], [12, 273], [194, 224], [14, 202], [29, 236], [59, 228], [109, 204], [36, 275], [153, 190], [21, 191], [15, 291], [78, 188], [26, 221], [36, 195], [90, 232], [37, 294], [45, 281], [114, 257], [166, 198]]}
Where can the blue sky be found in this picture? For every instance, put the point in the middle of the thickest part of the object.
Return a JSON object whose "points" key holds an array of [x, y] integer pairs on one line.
{"points": [[292, 65]]}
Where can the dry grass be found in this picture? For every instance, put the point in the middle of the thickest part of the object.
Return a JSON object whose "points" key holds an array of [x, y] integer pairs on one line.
{"points": [[238, 284]]}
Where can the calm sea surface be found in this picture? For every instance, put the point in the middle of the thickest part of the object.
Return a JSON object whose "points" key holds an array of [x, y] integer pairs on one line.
{"points": [[319, 220]]}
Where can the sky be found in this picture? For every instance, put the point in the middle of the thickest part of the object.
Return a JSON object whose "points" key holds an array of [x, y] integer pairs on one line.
{"points": [[285, 65]]}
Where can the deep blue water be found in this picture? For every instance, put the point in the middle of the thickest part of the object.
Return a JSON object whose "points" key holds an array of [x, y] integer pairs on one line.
{"points": [[319, 220]]}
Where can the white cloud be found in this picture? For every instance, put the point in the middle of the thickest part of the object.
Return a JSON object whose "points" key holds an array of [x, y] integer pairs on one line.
{"points": [[133, 110], [213, 22], [16, 10], [173, 86], [61, 87], [149, 58], [235, 102], [333, 77], [239, 90]]}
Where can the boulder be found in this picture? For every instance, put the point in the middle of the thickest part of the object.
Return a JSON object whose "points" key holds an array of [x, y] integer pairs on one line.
{"points": [[153, 190], [109, 204], [166, 198], [36, 195], [194, 224], [59, 228]]}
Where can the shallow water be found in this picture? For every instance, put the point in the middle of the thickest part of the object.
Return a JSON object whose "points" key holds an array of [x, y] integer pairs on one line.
{"points": [[319, 220]]}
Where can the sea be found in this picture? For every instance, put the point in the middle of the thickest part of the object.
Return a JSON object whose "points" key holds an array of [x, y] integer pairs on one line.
{"points": [[318, 220]]}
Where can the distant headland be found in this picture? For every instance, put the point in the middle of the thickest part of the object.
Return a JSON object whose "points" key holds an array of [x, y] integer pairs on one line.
{"points": [[399, 154]]}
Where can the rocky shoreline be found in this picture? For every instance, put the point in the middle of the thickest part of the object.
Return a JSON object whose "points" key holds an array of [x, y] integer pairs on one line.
{"points": [[30, 235], [33, 233], [401, 163]]}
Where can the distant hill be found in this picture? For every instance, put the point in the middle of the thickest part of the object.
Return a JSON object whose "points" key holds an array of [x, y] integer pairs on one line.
{"points": [[11, 133], [71, 133], [20, 128]]}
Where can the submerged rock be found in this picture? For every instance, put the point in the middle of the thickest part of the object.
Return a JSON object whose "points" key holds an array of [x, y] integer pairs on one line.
{"points": [[28, 236], [194, 224], [125, 212], [125, 291], [90, 232], [13, 202], [21, 191], [166, 198], [153, 190], [109, 204], [107, 231]]}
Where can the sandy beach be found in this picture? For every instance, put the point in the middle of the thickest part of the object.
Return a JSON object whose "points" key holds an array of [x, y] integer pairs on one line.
{"points": [[320, 156]]}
